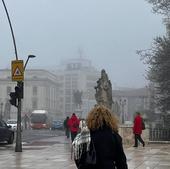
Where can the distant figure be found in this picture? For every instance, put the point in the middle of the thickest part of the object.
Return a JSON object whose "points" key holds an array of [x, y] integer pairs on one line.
{"points": [[73, 124], [66, 127], [137, 129]]}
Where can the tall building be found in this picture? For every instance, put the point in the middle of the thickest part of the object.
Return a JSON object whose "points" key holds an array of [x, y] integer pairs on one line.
{"points": [[77, 75], [41, 91]]}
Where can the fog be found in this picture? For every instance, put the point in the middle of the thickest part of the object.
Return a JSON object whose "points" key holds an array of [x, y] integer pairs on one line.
{"points": [[106, 32]]}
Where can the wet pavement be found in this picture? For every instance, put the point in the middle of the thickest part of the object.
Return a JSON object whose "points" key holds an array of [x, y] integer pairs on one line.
{"points": [[54, 153]]}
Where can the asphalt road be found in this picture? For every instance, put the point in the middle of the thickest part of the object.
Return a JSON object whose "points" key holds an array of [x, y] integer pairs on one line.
{"points": [[29, 136]]}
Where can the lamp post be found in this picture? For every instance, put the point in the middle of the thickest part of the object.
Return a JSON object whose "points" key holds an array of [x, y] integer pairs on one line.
{"points": [[20, 84], [18, 147], [12, 32], [122, 108], [1, 109], [29, 56]]}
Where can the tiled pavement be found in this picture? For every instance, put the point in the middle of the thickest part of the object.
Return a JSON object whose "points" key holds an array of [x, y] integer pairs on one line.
{"points": [[57, 156]]}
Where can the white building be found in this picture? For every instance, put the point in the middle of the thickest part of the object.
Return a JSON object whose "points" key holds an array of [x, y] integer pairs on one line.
{"points": [[41, 91], [77, 75]]}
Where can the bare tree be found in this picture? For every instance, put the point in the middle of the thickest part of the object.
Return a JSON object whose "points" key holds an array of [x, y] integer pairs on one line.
{"points": [[161, 6]]}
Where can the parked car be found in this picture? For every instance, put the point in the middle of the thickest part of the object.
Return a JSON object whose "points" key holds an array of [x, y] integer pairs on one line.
{"points": [[57, 124], [13, 124], [6, 134]]}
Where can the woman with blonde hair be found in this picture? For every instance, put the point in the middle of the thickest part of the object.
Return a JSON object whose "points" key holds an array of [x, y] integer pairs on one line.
{"points": [[103, 127]]}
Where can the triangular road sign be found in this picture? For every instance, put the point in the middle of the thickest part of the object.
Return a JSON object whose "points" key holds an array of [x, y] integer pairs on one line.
{"points": [[17, 72]]}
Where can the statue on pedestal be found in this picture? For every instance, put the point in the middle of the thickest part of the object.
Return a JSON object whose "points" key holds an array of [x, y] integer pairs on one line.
{"points": [[104, 91]]}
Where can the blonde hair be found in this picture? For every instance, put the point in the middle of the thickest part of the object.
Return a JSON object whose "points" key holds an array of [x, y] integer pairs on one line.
{"points": [[99, 116]]}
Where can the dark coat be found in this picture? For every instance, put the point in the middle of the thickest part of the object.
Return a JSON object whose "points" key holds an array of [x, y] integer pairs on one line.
{"points": [[109, 150]]}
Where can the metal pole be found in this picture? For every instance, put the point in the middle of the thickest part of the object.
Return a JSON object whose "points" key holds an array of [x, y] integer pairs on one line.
{"points": [[123, 113], [1, 110], [18, 147], [12, 32]]}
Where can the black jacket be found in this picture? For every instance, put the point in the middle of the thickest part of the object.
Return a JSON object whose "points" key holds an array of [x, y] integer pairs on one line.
{"points": [[109, 150]]}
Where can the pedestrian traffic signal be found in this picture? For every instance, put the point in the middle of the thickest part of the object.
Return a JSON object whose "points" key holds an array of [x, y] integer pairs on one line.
{"points": [[13, 99]]}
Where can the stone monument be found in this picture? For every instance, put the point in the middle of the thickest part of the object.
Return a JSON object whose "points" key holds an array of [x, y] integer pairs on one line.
{"points": [[77, 96], [104, 90]]}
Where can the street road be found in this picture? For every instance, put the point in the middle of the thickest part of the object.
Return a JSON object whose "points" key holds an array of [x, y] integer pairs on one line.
{"points": [[29, 136]]}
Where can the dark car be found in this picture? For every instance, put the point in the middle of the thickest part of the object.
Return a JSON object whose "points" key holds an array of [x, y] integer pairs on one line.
{"points": [[6, 134], [57, 124]]}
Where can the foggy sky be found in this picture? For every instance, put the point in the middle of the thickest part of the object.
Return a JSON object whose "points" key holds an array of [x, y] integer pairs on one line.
{"points": [[108, 32]]}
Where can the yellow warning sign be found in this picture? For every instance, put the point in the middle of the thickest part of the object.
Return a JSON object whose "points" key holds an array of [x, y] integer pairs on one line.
{"points": [[17, 70]]}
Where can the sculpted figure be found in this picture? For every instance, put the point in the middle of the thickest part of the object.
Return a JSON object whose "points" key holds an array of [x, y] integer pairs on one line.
{"points": [[77, 98], [104, 90]]}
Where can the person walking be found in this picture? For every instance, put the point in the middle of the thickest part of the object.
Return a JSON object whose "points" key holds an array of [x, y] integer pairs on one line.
{"points": [[73, 124], [66, 127], [103, 127], [137, 129]]}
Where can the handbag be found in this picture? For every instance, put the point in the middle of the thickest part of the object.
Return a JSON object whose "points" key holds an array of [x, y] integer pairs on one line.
{"points": [[88, 158], [143, 125]]}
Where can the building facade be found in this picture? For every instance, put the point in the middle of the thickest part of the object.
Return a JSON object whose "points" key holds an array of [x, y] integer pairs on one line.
{"points": [[77, 75], [128, 102], [41, 91]]}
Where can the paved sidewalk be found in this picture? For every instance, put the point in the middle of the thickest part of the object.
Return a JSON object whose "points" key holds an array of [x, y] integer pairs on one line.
{"points": [[54, 153]]}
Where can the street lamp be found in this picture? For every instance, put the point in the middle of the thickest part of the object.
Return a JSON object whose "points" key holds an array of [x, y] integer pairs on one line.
{"points": [[20, 84], [18, 147], [29, 56], [122, 108]]}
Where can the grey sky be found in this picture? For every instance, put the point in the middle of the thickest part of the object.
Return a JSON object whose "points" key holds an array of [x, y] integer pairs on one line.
{"points": [[107, 31]]}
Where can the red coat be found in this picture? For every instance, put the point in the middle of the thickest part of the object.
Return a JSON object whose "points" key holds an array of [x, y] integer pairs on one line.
{"points": [[137, 128], [73, 123]]}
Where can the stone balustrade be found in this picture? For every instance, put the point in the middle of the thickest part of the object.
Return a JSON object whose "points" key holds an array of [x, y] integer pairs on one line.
{"points": [[127, 135]]}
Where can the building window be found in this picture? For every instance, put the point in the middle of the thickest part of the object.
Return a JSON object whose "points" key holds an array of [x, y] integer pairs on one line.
{"points": [[34, 104], [34, 91]]}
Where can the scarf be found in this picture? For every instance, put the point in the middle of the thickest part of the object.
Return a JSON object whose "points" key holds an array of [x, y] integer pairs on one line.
{"points": [[81, 140]]}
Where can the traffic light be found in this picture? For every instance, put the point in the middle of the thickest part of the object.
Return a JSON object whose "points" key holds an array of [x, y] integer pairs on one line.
{"points": [[21, 89], [13, 99], [17, 92]]}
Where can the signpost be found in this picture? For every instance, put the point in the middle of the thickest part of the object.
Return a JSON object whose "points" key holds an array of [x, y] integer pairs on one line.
{"points": [[17, 70]]}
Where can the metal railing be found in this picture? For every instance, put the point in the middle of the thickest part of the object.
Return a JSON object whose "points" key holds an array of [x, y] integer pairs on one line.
{"points": [[159, 134]]}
